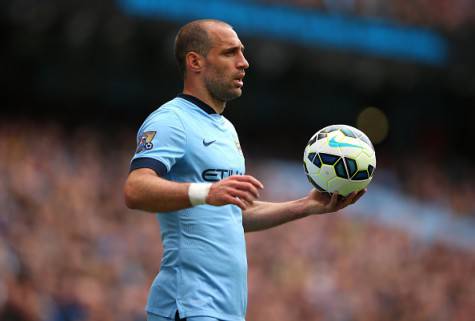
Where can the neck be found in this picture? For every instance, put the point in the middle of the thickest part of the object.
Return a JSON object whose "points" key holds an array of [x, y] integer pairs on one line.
{"points": [[205, 96]]}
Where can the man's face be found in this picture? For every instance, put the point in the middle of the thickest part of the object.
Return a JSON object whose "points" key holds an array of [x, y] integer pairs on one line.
{"points": [[225, 64]]}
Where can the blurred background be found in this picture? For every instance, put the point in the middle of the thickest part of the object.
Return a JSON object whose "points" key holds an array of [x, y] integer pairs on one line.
{"points": [[78, 77]]}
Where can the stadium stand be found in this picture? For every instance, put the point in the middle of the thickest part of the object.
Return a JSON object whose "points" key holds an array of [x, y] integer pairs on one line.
{"points": [[70, 250]]}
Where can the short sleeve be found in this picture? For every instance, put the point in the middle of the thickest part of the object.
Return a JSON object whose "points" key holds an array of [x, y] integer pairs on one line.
{"points": [[161, 142]]}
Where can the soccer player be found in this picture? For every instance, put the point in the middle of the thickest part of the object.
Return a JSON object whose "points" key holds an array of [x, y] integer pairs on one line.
{"points": [[189, 168]]}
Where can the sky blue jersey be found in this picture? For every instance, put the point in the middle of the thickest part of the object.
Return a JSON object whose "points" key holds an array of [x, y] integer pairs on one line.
{"points": [[203, 270]]}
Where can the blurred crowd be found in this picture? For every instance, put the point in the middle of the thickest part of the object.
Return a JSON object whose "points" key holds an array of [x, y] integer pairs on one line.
{"points": [[448, 185], [70, 250]]}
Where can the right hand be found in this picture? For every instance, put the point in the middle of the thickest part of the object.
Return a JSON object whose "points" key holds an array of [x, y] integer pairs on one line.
{"points": [[240, 190]]}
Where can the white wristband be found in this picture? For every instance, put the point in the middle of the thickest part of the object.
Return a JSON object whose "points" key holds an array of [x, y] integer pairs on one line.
{"points": [[197, 193]]}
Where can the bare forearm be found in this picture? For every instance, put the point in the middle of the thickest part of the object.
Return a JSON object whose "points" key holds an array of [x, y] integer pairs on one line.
{"points": [[154, 194], [265, 215], [146, 191]]}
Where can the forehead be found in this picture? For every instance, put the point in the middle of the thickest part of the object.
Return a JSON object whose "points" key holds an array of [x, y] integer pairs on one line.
{"points": [[223, 36]]}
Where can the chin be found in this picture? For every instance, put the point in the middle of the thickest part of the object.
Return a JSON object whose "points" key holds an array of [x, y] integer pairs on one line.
{"points": [[238, 92], [231, 95]]}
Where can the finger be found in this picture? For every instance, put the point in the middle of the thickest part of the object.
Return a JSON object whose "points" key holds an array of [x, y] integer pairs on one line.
{"points": [[250, 179], [242, 194], [246, 187], [247, 203], [359, 195], [236, 201], [347, 200], [333, 200], [351, 198]]}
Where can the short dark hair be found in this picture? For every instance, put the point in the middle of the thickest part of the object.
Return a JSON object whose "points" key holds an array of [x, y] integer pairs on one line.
{"points": [[193, 37]]}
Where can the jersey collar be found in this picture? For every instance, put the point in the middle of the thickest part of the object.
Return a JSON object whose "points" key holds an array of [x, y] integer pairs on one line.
{"points": [[192, 99]]}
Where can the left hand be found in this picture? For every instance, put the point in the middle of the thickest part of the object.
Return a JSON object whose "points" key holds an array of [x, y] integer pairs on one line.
{"points": [[319, 203]]}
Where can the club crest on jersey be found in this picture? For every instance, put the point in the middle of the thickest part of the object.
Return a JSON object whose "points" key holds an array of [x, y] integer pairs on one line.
{"points": [[144, 142]]}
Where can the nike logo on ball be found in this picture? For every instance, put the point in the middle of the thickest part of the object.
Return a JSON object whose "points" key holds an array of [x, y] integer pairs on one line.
{"points": [[334, 143], [208, 143]]}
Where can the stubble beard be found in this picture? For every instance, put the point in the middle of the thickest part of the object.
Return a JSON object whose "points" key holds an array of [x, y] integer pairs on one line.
{"points": [[220, 89]]}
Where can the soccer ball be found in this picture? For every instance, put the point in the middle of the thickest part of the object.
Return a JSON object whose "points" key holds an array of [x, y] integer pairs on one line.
{"points": [[339, 158]]}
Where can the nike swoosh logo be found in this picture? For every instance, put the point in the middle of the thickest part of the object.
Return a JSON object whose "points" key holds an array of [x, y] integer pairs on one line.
{"points": [[208, 143], [334, 143]]}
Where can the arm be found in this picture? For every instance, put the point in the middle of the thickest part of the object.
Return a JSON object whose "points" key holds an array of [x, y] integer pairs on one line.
{"points": [[264, 215], [145, 190]]}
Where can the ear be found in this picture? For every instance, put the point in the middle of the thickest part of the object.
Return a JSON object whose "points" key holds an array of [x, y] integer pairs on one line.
{"points": [[194, 62]]}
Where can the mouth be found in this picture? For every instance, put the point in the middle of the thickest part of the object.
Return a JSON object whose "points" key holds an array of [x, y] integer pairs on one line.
{"points": [[239, 80]]}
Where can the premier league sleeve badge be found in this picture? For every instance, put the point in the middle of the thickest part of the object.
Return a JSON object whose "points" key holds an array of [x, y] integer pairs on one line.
{"points": [[144, 141]]}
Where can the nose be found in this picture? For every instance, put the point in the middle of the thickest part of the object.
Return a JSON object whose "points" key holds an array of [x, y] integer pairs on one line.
{"points": [[242, 62]]}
